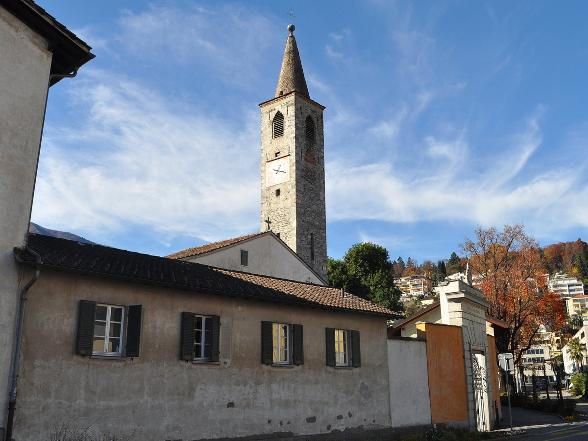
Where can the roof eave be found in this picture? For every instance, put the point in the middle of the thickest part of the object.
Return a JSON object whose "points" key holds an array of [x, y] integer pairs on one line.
{"points": [[298, 94], [69, 51]]}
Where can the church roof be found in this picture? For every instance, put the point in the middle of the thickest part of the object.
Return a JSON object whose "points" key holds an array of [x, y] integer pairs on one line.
{"points": [[213, 246], [291, 77], [113, 263]]}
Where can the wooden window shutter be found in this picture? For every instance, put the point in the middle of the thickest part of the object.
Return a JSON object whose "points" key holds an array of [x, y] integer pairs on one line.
{"points": [[297, 345], [133, 342], [215, 343], [330, 346], [267, 349], [187, 340], [85, 336], [355, 349]]}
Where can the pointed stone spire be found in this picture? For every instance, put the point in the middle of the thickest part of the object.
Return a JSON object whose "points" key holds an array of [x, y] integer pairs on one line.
{"points": [[291, 74]]}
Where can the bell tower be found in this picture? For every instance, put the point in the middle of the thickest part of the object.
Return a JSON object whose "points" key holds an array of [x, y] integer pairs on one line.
{"points": [[293, 164]]}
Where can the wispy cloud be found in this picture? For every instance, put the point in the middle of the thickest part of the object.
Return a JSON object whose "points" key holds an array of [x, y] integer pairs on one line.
{"points": [[145, 162]]}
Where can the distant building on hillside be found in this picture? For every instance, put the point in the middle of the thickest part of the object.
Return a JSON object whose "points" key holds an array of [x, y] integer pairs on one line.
{"points": [[577, 304], [565, 286], [571, 365], [415, 286]]}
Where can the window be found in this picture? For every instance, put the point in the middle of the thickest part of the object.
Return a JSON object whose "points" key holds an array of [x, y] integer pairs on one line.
{"points": [[278, 125], [281, 343], [277, 192], [202, 337], [108, 328], [312, 247], [309, 131], [244, 257], [342, 347]]}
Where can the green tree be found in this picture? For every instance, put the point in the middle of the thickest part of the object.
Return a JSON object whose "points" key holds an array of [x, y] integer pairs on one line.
{"points": [[453, 264], [366, 271], [576, 351]]}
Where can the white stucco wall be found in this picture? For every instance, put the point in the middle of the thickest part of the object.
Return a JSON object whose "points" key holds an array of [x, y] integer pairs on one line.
{"points": [[24, 76], [409, 383], [267, 256]]}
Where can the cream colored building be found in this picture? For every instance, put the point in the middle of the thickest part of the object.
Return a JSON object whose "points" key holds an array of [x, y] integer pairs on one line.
{"points": [[577, 305], [260, 253], [415, 286], [35, 53]]}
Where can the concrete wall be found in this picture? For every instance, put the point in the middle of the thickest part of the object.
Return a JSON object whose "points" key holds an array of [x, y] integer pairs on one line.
{"points": [[267, 256], [409, 385], [447, 385], [159, 397], [24, 75]]}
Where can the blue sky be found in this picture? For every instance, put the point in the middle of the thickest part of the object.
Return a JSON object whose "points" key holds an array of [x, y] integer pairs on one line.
{"points": [[441, 116]]}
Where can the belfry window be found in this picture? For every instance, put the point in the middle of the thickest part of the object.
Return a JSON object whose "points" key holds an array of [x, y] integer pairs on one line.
{"points": [[309, 131], [312, 247], [278, 125]]}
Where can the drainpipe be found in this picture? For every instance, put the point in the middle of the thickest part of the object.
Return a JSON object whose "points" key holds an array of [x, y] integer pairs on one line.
{"points": [[23, 293], [15, 362]]}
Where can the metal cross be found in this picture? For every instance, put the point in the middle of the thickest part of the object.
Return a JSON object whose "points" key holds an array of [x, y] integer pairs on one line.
{"points": [[268, 222]]}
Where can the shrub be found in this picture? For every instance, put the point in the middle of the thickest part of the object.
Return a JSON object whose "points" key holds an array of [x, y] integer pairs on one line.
{"points": [[578, 383]]}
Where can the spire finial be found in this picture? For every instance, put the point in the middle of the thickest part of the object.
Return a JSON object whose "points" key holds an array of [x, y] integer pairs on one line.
{"points": [[291, 29]]}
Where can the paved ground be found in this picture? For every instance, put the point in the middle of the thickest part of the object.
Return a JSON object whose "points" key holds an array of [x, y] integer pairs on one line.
{"points": [[533, 425]]}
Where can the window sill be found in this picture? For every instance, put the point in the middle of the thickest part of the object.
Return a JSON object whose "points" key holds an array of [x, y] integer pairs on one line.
{"points": [[119, 357], [206, 362], [344, 368], [283, 366]]}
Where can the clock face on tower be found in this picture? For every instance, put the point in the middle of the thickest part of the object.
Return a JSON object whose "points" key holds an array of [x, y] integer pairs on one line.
{"points": [[277, 171]]}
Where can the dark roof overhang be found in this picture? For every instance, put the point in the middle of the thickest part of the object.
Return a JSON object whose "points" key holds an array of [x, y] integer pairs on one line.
{"points": [[69, 51]]}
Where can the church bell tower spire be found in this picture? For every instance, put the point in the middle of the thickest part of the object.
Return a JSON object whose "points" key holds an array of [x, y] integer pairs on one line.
{"points": [[293, 164]]}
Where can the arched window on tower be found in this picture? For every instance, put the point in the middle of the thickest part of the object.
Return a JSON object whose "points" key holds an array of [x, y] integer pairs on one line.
{"points": [[278, 125], [309, 131]]}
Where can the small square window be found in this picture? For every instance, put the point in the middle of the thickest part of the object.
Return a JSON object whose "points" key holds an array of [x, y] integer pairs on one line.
{"points": [[108, 330], [342, 347], [281, 343], [277, 192], [244, 257]]}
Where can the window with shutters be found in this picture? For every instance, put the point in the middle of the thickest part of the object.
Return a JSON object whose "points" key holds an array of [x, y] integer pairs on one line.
{"points": [[278, 125], [342, 347], [108, 330], [202, 337], [244, 258], [281, 343]]}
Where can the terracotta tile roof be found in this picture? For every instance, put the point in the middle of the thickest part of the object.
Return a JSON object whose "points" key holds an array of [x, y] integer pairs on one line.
{"points": [[195, 251], [97, 260]]}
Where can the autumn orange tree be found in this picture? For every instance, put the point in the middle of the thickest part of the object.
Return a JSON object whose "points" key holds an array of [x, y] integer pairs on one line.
{"points": [[512, 274]]}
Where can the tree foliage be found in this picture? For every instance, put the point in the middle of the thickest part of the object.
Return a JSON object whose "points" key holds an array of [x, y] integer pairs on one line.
{"points": [[513, 280], [366, 271]]}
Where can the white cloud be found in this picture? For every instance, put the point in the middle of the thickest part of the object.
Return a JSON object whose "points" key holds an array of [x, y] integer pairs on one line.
{"points": [[450, 189], [219, 38], [147, 163]]}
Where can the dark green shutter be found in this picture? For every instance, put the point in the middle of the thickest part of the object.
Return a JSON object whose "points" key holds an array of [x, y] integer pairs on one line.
{"points": [[133, 342], [85, 336], [187, 340], [215, 343], [267, 349], [297, 345], [330, 346], [355, 349]]}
